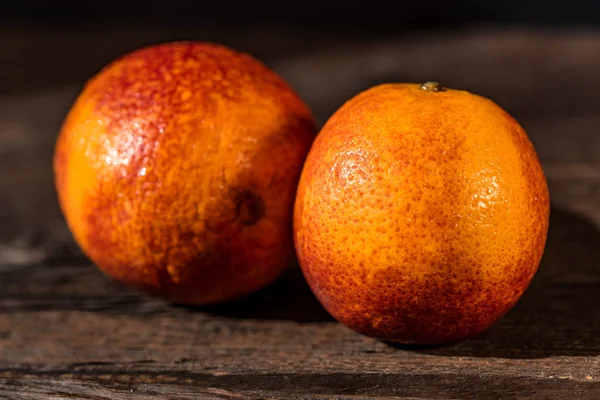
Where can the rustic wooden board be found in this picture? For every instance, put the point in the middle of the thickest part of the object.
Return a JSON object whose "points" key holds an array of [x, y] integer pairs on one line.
{"points": [[67, 331]]}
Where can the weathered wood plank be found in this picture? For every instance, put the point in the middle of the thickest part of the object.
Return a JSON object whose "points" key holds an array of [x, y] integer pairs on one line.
{"points": [[69, 324], [185, 385]]}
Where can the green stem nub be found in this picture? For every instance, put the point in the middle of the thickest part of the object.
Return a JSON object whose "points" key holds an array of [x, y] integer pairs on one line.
{"points": [[433, 87]]}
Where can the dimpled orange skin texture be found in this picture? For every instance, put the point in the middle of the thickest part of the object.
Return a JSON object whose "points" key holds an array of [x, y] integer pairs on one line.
{"points": [[176, 170], [421, 217]]}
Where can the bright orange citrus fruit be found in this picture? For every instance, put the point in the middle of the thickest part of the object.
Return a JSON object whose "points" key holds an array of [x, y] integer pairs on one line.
{"points": [[176, 170], [421, 214]]}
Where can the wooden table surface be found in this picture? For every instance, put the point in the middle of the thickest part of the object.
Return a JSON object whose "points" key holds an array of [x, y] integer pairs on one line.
{"points": [[67, 331]]}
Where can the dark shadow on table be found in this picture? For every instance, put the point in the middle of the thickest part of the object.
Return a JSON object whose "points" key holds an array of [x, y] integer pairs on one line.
{"points": [[559, 314], [65, 280], [75, 284], [289, 298]]}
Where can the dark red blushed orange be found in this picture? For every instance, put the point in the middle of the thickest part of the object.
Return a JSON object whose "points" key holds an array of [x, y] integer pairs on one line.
{"points": [[176, 170], [421, 214]]}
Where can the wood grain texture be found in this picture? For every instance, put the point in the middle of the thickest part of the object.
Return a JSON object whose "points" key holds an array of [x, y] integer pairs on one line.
{"points": [[65, 328], [67, 331]]}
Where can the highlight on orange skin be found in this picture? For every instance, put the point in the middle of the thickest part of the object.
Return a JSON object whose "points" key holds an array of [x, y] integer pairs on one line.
{"points": [[176, 170], [421, 214]]}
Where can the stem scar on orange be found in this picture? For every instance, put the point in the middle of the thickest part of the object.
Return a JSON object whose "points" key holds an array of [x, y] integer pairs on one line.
{"points": [[176, 169], [421, 214]]}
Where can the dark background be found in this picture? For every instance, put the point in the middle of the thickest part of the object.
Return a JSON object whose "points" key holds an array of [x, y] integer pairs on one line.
{"points": [[51, 43], [391, 15]]}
